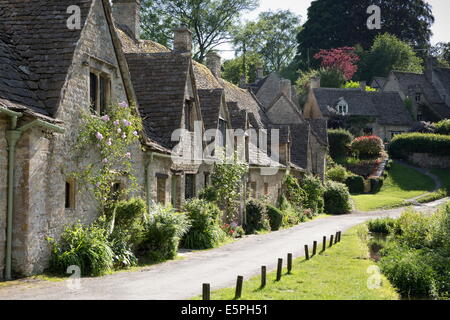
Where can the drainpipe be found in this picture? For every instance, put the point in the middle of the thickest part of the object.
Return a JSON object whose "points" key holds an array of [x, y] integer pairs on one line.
{"points": [[149, 182], [12, 137]]}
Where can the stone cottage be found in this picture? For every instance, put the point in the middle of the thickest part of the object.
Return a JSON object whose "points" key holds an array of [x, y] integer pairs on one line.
{"points": [[428, 94], [379, 113]]}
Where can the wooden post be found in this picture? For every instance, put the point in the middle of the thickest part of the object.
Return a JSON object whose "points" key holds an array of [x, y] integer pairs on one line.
{"points": [[263, 277], [289, 263], [206, 291], [315, 248], [331, 241], [306, 252], [337, 238], [324, 244], [279, 269], [239, 285]]}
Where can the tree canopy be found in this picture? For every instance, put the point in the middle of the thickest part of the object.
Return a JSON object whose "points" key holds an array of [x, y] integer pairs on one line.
{"points": [[233, 69], [333, 24], [210, 20]]}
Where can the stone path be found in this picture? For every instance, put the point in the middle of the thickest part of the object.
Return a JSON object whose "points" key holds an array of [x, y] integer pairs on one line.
{"points": [[182, 279]]}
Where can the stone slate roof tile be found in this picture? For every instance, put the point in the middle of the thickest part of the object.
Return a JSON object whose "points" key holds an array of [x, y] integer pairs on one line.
{"points": [[210, 102], [320, 128], [37, 30], [159, 81], [300, 143]]}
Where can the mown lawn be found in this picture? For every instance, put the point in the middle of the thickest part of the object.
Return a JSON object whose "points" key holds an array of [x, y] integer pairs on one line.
{"points": [[338, 274], [444, 176], [403, 183]]}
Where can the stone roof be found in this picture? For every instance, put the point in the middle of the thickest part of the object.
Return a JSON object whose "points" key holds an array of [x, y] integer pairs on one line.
{"points": [[204, 77], [320, 129], [387, 107], [159, 81], [131, 45], [210, 102], [38, 33], [410, 83], [299, 147]]}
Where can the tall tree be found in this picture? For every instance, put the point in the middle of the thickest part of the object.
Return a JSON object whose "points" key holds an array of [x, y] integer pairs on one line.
{"points": [[234, 69], [271, 36], [333, 24], [389, 53], [441, 52], [209, 20]]}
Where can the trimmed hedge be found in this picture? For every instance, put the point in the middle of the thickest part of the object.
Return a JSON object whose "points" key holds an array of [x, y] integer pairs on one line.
{"points": [[404, 144], [339, 141], [376, 184], [443, 127], [368, 146], [337, 198], [257, 218], [275, 218], [355, 184]]}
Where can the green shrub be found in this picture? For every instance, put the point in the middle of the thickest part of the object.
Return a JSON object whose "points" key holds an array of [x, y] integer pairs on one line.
{"points": [[443, 127], [291, 215], [82, 246], [407, 143], [209, 194], [276, 217], [124, 256], [337, 174], [376, 184], [382, 225], [368, 146], [205, 231], [355, 184], [440, 194], [257, 219], [293, 191], [129, 221], [163, 231], [314, 194], [337, 198], [339, 141], [408, 270]]}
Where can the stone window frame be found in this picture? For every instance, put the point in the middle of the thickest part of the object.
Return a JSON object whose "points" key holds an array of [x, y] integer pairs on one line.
{"points": [[70, 194], [161, 183]]}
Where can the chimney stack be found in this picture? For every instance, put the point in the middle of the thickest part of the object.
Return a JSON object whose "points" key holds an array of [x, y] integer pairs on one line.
{"points": [[259, 73], [182, 39], [214, 63], [126, 14], [429, 61], [315, 83], [286, 88]]}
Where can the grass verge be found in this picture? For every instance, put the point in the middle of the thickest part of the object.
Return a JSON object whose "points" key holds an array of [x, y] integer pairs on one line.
{"points": [[403, 183], [338, 274]]}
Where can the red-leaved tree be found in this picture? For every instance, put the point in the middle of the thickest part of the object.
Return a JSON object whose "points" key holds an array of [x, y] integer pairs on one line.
{"points": [[343, 59]]}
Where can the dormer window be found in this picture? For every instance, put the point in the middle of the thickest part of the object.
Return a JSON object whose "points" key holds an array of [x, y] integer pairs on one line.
{"points": [[342, 107], [418, 97]]}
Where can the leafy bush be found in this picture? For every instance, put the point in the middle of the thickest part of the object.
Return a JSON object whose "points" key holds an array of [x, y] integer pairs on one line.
{"points": [[337, 198], [339, 141], [209, 194], [85, 247], [355, 184], [293, 191], [440, 194], [423, 127], [443, 127], [233, 230], [276, 217], [124, 256], [129, 221], [257, 219], [291, 215], [205, 231], [314, 193], [368, 146], [162, 233], [376, 184], [337, 174], [407, 143], [382, 225]]}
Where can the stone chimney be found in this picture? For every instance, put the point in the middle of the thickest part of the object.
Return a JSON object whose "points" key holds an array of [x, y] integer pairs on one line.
{"points": [[286, 88], [315, 83], [214, 63], [259, 73], [182, 39], [429, 68], [126, 13], [363, 85]]}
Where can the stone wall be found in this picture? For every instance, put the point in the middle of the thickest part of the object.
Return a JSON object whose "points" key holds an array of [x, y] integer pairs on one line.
{"points": [[385, 131], [3, 190], [283, 112], [274, 182], [429, 161]]}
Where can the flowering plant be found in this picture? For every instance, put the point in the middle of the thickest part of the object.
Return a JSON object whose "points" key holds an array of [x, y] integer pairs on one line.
{"points": [[343, 59], [233, 230]]}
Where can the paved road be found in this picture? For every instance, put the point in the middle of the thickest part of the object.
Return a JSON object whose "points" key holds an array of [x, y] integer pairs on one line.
{"points": [[182, 279]]}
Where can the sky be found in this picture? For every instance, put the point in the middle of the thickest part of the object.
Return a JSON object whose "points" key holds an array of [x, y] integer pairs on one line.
{"points": [[441, 9]]}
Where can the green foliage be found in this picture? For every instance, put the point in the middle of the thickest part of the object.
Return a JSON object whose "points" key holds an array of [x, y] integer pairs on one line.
{"points": [[367, 147], [257, 218], [205, 231], [291, 215], [355, 184], [293, 191], [275, 218], [227, 180], [124, 256], [337, 199], [407, 143], [376, 183], [304, 80], [331, 78], [388, 53], [211, 21], [247, 65], [356, 85], [339, 141], [163, 232], [440, 194], [84, 247], [209, 194], [337, 174], [129, 220], [382, 225], [443, 127], [314, 194]]}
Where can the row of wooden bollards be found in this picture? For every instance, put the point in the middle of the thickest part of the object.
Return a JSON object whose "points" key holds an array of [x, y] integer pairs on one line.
{"points": [[334, 239]]}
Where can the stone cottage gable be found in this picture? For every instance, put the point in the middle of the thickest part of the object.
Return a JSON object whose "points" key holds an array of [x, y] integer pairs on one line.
{"points": [[284, 111], [38, 32]]}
